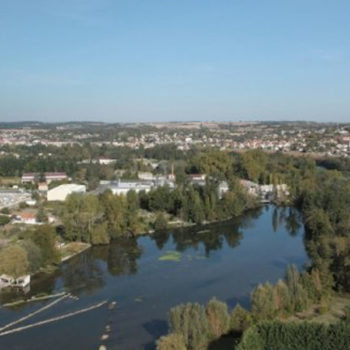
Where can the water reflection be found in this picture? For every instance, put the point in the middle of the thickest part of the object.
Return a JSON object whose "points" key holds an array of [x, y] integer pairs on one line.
{"points": [[122, 257], [289, 217], [211, 236], [224, 259], [85, 275], [86, 272]]}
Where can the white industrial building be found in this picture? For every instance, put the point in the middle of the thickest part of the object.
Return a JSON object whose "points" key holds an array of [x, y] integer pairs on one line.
{"points": [[124, 186], [60, 193]]}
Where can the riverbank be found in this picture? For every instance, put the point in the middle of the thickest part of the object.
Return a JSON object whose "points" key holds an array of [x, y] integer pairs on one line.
{"points": [[72, 249], [334, 312], [176, 222]]}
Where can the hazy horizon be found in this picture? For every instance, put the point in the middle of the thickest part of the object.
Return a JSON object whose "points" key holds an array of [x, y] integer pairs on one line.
{"points": [[186, 60], [173, 122]]}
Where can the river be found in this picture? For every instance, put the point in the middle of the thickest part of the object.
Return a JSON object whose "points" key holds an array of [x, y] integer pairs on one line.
{"points": [[149, 275]]}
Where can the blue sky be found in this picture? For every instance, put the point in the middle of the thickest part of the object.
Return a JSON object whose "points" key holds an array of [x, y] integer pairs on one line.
{"points": [[160, 60]]}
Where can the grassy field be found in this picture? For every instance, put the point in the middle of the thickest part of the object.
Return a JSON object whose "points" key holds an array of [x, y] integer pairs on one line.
{"points": [[6, 181]]}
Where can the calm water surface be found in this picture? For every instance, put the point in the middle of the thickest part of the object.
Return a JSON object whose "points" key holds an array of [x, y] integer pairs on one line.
{"points": [[225, 260]]}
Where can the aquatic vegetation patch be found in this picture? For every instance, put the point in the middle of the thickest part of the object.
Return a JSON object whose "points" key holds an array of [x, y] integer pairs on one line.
{"points": [[203, 231], [170, 256]]}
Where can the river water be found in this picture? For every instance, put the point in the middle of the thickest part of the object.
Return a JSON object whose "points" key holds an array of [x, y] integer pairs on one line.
{"points": [[225, 260]]}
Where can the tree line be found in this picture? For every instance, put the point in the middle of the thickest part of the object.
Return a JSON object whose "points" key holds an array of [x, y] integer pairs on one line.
{"points": [[195, 326]]}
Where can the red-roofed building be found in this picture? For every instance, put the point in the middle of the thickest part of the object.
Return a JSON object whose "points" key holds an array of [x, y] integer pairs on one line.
{"points": [[30, 177], [55, 177], [28, 218]]}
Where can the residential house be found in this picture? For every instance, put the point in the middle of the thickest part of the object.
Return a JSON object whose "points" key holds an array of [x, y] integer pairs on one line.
{"points": [[19, 282], [223, 187], [197, 179], [28, 218]]}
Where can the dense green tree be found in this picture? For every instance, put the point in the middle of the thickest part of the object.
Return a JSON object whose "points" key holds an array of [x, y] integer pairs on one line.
{"points": [[190, 321], [99, 234], [13, 261], [34, 255], [297, 293], [161, 222], [44, 236], [252, 340], [263, 305], [283, 301], [296, 336], [4, 220], [41, 215], [80, 215], [254, 165]]}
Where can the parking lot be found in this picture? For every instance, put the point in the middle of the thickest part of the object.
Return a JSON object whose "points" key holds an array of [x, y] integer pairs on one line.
{"points": [[11, 198]]}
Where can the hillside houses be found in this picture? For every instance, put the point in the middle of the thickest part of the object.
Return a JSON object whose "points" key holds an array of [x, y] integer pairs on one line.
{"points": [[266, 193]]}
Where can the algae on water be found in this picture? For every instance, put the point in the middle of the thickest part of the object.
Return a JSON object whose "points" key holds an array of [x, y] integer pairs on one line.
{"points": [[170, 256]]}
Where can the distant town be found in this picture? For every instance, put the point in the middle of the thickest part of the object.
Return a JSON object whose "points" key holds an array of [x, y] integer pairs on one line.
{"points": [[329, 139], [69, 187]]}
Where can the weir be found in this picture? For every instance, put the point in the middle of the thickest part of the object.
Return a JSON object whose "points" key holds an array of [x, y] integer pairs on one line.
{"points": [[33, 313], [54, 319]]}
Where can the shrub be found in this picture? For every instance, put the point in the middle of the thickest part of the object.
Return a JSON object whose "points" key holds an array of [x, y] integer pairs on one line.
{"points": [[4, 220], [5, 211], [296, 336], [171, 341]]}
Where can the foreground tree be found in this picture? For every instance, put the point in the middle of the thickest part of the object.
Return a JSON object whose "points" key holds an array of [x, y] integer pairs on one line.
{"points": [[240, 319], [190, 321], [218, 318]]}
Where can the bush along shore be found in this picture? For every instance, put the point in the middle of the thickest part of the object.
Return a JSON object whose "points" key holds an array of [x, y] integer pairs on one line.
{"points": [[291, 299]]}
